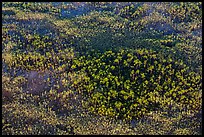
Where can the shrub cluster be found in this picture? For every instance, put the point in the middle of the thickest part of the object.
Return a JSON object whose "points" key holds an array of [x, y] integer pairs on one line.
{"points": [[127, 84]]}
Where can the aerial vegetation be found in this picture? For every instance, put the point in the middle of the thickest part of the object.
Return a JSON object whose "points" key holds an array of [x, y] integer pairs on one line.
{"points": [[101, 68], [127, 84]]}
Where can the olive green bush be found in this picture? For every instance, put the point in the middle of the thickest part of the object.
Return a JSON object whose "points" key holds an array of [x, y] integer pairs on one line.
{"points": [[140, 76]]}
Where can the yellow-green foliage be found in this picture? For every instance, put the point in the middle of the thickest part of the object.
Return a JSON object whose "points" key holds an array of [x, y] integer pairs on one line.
{"points": [[139, 77], [99, 72]]}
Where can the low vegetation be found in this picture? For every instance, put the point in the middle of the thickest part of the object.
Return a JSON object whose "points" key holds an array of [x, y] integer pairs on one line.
{"points": [[101, 68]]}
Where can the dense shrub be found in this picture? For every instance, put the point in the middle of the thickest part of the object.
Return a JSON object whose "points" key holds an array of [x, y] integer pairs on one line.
{"points": [[141, 77]]}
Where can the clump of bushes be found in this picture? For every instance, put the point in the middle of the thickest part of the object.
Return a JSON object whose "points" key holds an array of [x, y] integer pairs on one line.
{"points": [[128, 84]]}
